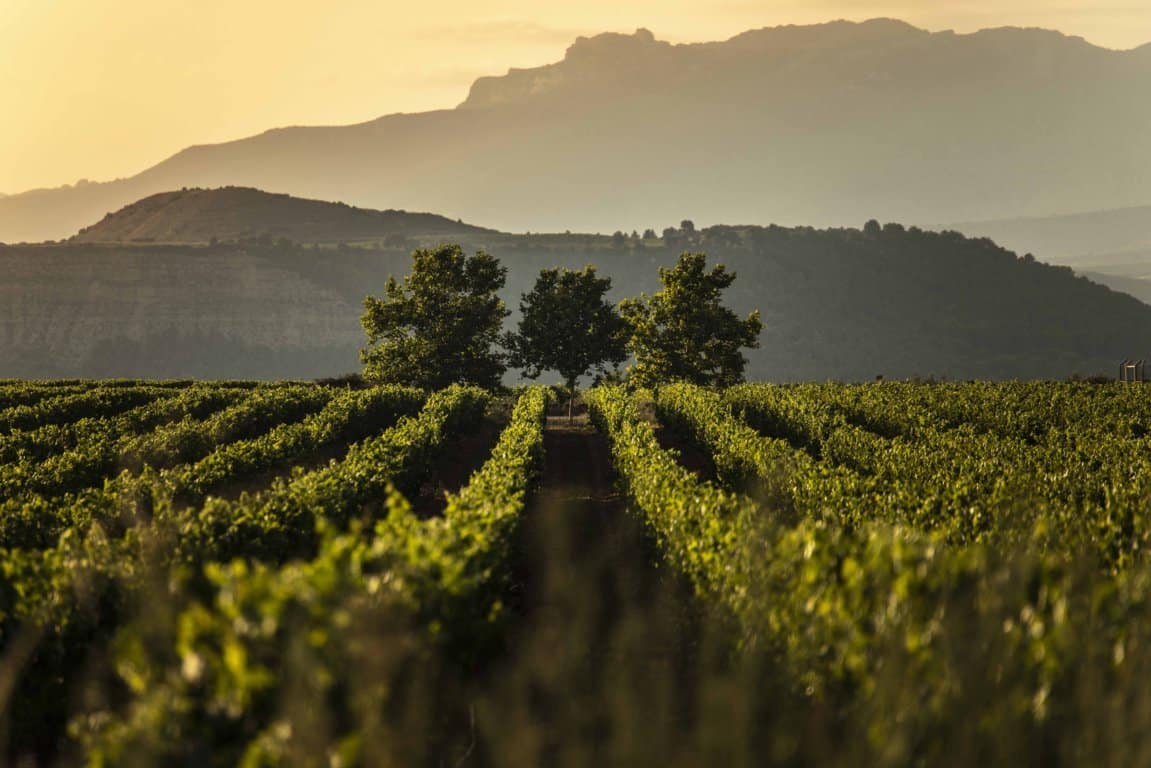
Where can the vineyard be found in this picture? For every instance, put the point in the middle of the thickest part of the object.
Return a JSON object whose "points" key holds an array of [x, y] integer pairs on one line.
{"points": [[262, 574]]}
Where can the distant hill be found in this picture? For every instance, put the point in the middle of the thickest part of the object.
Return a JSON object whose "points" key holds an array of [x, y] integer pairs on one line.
{"points": [[1140, 288], [1096, 237], [1110, 247], [828, 125], [843, 304], [240, 213]]}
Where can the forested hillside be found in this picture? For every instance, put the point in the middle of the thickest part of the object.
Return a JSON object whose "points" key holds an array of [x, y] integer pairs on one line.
{"points": [[836, 304]]}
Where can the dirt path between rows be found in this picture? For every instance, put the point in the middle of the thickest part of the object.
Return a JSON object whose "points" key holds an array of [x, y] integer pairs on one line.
{"points": [[604, 644], [581, 541]]}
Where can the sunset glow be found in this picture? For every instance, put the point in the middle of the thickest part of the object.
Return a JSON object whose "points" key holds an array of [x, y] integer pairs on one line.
{"points": [[101, 90]]}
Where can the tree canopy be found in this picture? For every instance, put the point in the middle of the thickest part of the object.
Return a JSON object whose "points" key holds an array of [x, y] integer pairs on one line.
{"points": [[684, 333], [567, 325], [441, 325]]}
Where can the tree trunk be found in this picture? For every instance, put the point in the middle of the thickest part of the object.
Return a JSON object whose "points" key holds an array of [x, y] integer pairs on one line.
{"points": [[571, 400]]}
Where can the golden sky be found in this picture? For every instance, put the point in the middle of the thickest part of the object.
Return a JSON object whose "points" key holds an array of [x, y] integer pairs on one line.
{"points": [[104, 88]]}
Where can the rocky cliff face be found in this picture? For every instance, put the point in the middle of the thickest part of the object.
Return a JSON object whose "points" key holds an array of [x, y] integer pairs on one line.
{"points": [[602, 65]]}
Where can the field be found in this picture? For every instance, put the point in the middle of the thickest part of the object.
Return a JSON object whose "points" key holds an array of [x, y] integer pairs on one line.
{"points": [[893, 573]]}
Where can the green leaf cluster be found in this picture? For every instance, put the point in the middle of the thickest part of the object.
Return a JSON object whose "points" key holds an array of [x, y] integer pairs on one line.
{"points": [[254, 635], [876, 567], [279, 523], [53, 489], [441, 325], [567, 325], [684, 333]]}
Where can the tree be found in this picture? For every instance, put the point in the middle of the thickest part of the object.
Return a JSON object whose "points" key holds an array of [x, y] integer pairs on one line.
{"points": [[684, 333], [567, 326], [441, 325]]}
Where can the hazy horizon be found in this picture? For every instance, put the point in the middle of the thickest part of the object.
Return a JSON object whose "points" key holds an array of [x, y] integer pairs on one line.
{"points": [[159, 76]]}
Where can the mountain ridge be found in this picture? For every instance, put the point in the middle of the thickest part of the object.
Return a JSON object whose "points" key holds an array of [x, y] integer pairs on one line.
{"points": [[613, 49], [823, 125], [195, 215]]}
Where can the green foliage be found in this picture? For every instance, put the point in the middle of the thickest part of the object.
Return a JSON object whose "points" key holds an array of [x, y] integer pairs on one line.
{"points": [[692, 520], [455, 568], [961, 460], [63, 499], [279, 523], [923, 571], [567, 325], [94, 402], [684, 333], [789, 482], [79, 589], [54, 460], [63, 490], [441, 325], [216, 675], [190, 438], [930, 573], [30, 393], [349, 416]]}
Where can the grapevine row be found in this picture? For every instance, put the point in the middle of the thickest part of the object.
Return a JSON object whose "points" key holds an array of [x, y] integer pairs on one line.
{"points": [[843, 599], [279, 523], [443, 578]]}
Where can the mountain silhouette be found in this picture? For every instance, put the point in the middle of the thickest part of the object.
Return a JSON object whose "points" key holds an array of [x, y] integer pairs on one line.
{"points": [[824, 125], [238, 213]]}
